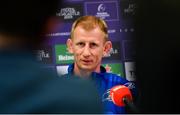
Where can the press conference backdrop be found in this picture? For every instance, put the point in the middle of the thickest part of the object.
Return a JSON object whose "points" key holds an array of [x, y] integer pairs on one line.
{"points": [[119, 16]]}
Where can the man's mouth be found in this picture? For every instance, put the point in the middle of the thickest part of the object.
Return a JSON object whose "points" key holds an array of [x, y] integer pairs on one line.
{"points": [[87, 61]]}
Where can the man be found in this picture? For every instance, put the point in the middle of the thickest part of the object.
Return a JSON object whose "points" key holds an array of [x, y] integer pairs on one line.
{"points": [[89, 43], [25, 86]]}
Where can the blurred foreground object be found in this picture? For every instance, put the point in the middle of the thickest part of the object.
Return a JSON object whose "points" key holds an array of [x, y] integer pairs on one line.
{"points": [[158, 57], [25, 85]]}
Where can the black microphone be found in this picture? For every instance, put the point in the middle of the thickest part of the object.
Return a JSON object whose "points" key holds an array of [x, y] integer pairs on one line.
{"points": [[121, 96]]}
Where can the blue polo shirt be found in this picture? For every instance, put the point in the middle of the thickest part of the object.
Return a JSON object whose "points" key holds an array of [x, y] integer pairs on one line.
{"points": [[104, 82]]}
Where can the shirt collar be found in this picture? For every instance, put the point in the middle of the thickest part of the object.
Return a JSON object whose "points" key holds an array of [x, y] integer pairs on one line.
{"points": [[71, 69]]}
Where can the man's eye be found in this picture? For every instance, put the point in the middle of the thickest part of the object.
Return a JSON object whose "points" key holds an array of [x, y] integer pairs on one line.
{"points": [[80, 44], [94, 45]]}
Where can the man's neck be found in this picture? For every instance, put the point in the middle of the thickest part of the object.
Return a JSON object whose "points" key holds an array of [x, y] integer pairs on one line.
{"points": [[84, 73]]}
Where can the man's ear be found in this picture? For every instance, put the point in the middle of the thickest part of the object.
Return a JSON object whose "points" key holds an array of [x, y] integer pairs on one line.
{"points": [[107, 48], [69, 44]]}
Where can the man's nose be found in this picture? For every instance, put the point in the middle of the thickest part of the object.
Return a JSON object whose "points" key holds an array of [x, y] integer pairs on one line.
{"points": [[86, 51]]}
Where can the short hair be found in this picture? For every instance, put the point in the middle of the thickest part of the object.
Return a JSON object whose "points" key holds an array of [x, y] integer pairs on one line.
{"points": [[90, 22]]}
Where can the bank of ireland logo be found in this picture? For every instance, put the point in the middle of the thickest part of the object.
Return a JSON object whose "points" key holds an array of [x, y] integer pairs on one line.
{"points": [[62, 55]]}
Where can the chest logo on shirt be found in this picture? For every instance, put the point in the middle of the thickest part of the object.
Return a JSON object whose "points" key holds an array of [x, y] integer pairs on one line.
{"points": [[106, 96], [130, 85]]}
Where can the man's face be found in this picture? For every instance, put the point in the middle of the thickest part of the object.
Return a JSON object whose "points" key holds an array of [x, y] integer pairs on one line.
{"points": [[88, 48]]}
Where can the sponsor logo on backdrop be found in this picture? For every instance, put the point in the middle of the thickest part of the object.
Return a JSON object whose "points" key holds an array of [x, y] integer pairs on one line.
{"points": [[74, 0], [62, 30], [44, 55], [101, 11], [129, 49], [71, 12], [114, 53], [116, 68], [130, 71], [126, 30], [112, 31], [107, 10], [61, 70], [58, 34], [62, 55], [127, 8]]}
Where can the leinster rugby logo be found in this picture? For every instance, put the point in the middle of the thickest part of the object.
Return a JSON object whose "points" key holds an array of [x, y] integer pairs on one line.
{"points": [[130, 85], [106, 96]]}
